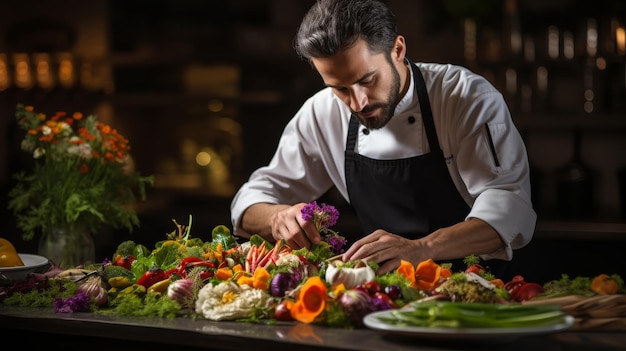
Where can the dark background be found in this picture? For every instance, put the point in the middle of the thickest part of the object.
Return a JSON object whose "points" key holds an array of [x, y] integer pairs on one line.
{"points": [[180, 77]]}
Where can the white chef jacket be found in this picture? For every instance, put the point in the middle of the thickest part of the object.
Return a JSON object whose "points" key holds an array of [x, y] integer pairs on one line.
{"points": [[310, 157]]}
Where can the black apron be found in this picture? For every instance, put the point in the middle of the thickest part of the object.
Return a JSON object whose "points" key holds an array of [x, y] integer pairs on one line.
{"points": [[410, 197]]}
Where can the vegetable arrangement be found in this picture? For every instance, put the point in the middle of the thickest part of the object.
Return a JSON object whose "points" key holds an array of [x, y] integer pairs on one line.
{"points": [[223, 279]]}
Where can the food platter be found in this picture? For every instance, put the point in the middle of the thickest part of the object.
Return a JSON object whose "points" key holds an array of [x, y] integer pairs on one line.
{"points": [[373, 321], [31, 264]]}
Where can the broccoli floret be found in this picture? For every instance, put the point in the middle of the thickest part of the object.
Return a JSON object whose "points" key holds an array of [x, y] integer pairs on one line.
{"points": [[125, 248]]}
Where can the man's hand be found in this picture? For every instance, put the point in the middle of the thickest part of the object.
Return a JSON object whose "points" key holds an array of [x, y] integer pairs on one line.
{"points": [[288, 224], [384, 248], [470, 237]]}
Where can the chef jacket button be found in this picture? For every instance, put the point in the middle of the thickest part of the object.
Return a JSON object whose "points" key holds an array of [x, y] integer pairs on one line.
{"points": [[411, 119], [366, 131]]}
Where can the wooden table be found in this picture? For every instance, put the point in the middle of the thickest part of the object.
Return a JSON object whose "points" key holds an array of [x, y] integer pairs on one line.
{"points": [[41, 327]]}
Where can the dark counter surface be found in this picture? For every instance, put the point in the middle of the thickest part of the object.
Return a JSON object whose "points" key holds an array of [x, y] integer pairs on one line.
{"points": [[93, 331]]}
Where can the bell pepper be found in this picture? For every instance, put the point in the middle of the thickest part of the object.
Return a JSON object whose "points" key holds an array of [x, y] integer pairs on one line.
{"points": [[189, 262], [123, 261], [151, 276]]}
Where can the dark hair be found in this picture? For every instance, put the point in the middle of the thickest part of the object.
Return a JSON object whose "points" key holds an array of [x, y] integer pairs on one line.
{"points": [[334, 25]]}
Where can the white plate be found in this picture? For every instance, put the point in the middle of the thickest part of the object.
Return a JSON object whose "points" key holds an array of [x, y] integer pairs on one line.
{"points": [[485, 334], [31, 264]]}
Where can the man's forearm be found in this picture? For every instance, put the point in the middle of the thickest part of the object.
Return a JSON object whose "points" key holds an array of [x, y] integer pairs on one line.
{"points": [[257, 219]]}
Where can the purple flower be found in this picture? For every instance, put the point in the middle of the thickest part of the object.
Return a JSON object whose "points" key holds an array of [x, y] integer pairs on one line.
{"points": [[324, 217], [308, 211], [79, 303], [336, 243], [328, 216]]}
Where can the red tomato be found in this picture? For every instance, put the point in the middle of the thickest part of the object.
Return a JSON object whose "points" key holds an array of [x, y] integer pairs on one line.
{"points": [[372, 287], [282, 313], [123, 261], [527, 292], [475, 268]]}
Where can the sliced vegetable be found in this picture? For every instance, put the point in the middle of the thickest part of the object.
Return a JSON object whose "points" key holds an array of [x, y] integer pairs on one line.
{"points": [[443, 314]]}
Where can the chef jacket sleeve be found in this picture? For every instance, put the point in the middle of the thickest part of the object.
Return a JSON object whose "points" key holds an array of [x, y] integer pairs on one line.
{"points": [[488, 161]]}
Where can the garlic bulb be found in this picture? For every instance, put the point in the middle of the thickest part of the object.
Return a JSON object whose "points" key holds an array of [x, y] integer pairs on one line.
{"points": [[181, 291], [93, 287], [337, 272]]}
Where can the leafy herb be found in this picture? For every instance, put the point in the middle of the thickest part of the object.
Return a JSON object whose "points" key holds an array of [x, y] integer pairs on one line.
{"points": [[151, 305], [43, 297]]}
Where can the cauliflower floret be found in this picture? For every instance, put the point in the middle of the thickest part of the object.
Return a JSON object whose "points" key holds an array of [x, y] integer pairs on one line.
{"points": [[289, 260], [230, 301]]}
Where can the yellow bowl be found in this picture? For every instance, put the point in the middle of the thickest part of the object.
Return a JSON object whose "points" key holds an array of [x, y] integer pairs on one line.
{"points": [[31, 264]]}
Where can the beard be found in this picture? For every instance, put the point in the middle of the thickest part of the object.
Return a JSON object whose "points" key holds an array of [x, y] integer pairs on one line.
{"points": [[387, 109]]}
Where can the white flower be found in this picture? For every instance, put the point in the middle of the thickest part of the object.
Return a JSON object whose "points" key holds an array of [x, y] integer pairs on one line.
{"points": [[39, 152], [45, 130], [81, 150], [230, 301]]}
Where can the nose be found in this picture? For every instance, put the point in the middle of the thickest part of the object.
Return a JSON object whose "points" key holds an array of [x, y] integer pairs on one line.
{"points": [[358, 98]]}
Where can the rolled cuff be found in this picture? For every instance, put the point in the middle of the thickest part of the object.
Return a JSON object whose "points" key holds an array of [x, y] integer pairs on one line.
{"points": [[510, 215]]}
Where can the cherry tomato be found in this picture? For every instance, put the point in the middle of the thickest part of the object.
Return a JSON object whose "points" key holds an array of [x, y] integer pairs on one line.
{"points": [[372, 287], [385, 299], [475, 268], [282, 312], [394, 292]]}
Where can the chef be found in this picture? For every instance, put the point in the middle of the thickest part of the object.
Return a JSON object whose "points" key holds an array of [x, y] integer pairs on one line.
{"points": [[426, 154]]}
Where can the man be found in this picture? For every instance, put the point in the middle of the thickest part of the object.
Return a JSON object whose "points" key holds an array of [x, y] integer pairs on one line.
{"points": [[426, 154]]}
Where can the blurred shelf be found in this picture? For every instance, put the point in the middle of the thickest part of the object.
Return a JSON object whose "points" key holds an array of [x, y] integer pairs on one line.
{"points": [[580, 230], [562, 121]]}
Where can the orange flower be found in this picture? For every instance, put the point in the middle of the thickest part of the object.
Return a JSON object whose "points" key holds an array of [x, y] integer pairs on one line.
{"points": [[603, 284], [311, 300], [427, 275], [407, 270]]}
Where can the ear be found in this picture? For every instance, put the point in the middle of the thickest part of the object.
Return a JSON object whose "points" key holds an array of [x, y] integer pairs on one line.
{"points": [[398, 52]]}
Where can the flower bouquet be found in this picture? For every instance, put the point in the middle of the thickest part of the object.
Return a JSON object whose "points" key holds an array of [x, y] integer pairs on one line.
{"points": [[81, 177]]}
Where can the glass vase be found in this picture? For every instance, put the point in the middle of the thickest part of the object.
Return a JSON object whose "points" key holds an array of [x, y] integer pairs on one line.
{"points": [[68, 248]]}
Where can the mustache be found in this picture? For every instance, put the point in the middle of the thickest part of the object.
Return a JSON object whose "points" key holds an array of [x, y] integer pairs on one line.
{"points": [[369, 108]]}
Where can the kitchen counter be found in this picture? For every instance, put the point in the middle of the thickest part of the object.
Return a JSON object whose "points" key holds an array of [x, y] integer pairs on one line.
{"points": [[41, 327]]}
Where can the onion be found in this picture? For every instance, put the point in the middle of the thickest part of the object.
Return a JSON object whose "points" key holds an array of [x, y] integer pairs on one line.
{"points": [[337, 272], [282, 283], [181, 291], [356, 303], [93, 288]]}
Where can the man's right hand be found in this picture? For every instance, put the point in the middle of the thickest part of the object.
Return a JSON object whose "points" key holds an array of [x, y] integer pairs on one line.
{"points": [[276, 222]]}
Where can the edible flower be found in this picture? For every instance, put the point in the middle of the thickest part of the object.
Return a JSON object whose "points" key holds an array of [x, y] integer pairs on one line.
{"points": [[311, 300], [325, 216], [78, 303], [425, 276]]}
